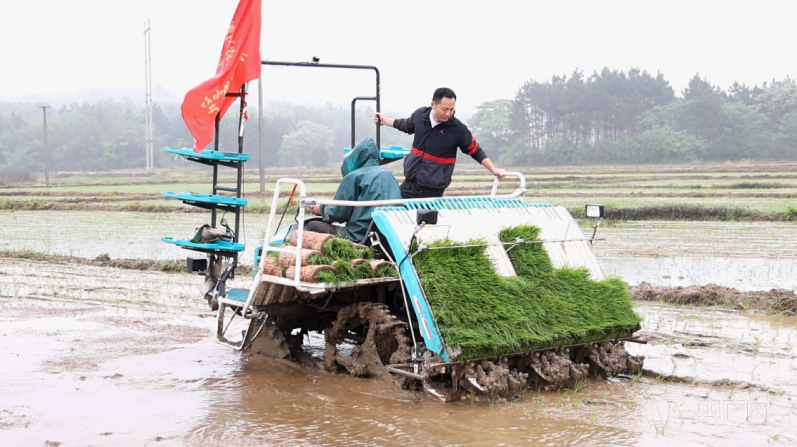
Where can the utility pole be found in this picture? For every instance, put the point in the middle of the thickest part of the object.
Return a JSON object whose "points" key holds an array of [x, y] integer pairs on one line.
{"points": [[262, 131], [148, 96], [46, 149]]}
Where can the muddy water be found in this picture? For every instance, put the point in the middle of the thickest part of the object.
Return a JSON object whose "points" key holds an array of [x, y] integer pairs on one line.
{"points": [[121, 235], [743, 255], [84, 375], [109, 365], [710, 345], [740, 273]]}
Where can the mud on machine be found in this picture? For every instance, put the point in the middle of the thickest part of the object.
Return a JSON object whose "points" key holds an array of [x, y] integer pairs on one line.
{"points": [[409, 327]]}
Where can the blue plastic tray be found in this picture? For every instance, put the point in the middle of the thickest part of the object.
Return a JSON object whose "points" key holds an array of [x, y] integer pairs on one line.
{"points": [[206, 198], [208, 155], [238, 295], [210, 246], [392, 152]]}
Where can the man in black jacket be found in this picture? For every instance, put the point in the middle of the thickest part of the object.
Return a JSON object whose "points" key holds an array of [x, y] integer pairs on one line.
{"points": [[438, 134]]}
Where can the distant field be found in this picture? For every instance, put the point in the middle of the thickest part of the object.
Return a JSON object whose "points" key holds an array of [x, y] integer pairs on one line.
{"points": [[768, 191]]}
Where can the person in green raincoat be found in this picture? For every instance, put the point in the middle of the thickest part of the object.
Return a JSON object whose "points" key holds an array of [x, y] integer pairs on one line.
{"points": [[363, 180]]}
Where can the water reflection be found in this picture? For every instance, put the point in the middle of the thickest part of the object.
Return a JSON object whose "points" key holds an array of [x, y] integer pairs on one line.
{"points": [[278, 405]]}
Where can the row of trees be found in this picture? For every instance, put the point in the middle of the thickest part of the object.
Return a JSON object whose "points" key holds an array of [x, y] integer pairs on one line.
{"points": [[634, 117], [608, 117], [109, 135]]}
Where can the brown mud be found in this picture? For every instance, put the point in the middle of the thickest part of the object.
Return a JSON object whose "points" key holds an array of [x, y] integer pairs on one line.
{"points": [[56, 205], [105, 261], [660, 169], [586, 174], [654, 212], [384, 342], [774, 301], [590, 177], [781, 166], [168, 266], [570, 183], [98, 195]]}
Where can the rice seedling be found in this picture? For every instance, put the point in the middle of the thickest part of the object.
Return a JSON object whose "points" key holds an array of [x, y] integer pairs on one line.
{"points": [[339, 253], [336, 249], [593, 415], [661, 426], [777, 437], [385, 271], [752, 371], [758, 341], [709, 390], [530, 409], [541, 307]]}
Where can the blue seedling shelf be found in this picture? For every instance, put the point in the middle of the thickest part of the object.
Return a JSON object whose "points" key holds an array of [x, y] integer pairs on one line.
{"points": [[238, 295], [387, 153], [206, 247], [209, 155], [191, 198]]}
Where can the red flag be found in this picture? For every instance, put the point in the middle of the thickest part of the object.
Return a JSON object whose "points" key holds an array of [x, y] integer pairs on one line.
{"points": [[239, 63]]}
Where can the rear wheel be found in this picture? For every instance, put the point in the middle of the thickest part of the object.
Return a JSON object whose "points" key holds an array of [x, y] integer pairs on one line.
{"points": [[379, 339], [270, 343]]}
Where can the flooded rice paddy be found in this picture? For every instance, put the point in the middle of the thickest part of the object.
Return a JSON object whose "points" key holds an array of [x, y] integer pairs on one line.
{"points": [[103, 356], [743, 255]]}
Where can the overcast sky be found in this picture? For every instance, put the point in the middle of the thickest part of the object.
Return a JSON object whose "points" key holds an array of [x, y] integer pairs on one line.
{"points": [[483, 50]]}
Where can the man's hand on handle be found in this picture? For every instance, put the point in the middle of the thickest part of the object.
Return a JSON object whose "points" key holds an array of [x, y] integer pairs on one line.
{"points": [[500, 173], [382, 120]]}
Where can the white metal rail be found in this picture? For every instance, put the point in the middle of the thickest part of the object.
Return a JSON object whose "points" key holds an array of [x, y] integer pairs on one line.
{"points": [[305, 201]]}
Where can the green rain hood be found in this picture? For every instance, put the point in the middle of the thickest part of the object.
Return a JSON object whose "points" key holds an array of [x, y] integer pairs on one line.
{"points": [[363, 180]]}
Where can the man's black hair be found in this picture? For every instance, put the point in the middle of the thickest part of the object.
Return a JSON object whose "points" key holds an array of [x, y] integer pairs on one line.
{"points": [[443, 92]]}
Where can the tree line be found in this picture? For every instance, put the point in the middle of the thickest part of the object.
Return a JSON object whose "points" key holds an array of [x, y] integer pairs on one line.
{"points": [[109, 135], [611, 117]]}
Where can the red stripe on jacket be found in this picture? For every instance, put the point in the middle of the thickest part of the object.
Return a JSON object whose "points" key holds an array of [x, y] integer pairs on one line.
{"points": [[473, 146], [432, 157]]}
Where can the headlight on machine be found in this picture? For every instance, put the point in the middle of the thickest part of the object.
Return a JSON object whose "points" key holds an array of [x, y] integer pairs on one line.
{"points": [[595, 211]]}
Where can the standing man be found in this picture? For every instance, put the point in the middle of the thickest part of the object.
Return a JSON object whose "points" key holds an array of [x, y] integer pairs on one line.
{"points": [[438, 134]]}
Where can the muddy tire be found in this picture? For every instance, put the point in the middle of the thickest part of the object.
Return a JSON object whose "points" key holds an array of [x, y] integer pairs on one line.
{"points": [[380, 339], [609, 358], [270, 343], [549, 369]]}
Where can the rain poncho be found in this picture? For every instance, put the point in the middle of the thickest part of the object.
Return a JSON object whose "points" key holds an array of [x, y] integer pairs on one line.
{"points": [[363, 180]]}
